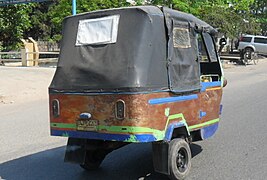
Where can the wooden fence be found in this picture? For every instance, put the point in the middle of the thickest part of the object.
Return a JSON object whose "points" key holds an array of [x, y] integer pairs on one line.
{"points": [[28, 58]]}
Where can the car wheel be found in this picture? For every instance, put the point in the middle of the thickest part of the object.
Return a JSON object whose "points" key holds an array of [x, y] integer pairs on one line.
{"points": [[179, 159], [248, 55]]}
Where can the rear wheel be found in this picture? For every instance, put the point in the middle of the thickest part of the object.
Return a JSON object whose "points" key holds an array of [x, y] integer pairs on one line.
{"points": [[179, 159]]}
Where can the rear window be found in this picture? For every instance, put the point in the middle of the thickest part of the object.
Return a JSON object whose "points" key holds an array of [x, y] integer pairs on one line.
{"points": [[260, 40], [98, 31], [245, 39]]}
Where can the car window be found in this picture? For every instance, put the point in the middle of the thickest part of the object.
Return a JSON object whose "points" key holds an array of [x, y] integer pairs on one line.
{"points": [[245, 39], [260, 40]]}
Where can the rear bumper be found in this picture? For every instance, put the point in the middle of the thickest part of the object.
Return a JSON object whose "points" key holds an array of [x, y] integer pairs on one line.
{"points": [[104, 136]]}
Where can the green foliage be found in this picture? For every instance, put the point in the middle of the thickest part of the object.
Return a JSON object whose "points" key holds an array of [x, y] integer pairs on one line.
{"points": [[44, 20], [230, 17], [63, 8], [23, 21], [41, 25], [259, 10], [14, 21], [229, 21]]}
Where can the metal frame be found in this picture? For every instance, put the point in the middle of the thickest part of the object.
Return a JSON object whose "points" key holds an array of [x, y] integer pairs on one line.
{"points": [[12, 2]]}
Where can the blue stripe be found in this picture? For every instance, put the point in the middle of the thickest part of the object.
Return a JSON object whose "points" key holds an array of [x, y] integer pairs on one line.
{"points": [[172, 99], [205, 85], [102, 136], [221, 108], [171, 127], [209, 131]]}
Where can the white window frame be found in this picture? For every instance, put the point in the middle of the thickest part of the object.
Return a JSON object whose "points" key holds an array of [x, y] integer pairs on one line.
{"points": [[98, 31]]}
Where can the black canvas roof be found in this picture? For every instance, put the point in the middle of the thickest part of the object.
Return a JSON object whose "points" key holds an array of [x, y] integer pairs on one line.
{"points": [[138, 61]]}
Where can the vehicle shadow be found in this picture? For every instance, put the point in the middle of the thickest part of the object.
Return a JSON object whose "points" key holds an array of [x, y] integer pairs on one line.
{"points": [[130, 162], [195, 149]]}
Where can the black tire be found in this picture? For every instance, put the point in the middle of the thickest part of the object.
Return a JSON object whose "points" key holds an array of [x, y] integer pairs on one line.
{"points": [[93, 160], [248, 55], [179, 159]]}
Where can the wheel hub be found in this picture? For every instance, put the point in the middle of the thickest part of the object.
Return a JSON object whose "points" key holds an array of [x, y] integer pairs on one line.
{"points": [[182, 160]]}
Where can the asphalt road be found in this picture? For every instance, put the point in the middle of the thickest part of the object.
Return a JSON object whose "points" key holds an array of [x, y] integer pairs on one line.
{"points": [[237, 151]]}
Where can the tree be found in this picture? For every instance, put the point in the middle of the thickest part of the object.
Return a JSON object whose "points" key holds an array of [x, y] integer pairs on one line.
{"points": [[44, 20], [14, 21], [41, 25], [259, 10], [188, 6], [62, 9], [230, 17], [229, 20]]}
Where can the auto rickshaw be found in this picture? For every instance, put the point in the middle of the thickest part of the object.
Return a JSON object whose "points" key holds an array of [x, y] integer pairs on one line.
{"points": [[136, 75]]}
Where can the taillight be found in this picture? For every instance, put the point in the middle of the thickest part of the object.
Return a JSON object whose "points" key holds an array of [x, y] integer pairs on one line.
{"points": [[55, 108], [120, 109]]}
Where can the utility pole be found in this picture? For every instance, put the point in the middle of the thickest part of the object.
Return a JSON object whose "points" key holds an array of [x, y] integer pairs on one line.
{"points": [[73, 7]]}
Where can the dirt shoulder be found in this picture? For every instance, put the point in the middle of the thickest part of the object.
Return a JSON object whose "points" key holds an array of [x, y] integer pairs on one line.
{"points": [[24, 84]]}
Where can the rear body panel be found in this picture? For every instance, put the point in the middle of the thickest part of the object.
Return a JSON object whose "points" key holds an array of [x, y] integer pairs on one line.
{"points": [[148, 117]]}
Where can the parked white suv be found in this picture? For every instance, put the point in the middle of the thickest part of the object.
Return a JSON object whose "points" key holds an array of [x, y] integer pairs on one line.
{"points": [[253, 44]]}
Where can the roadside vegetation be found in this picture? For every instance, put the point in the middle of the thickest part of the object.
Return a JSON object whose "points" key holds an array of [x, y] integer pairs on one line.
{"points": [[43, 21]]}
